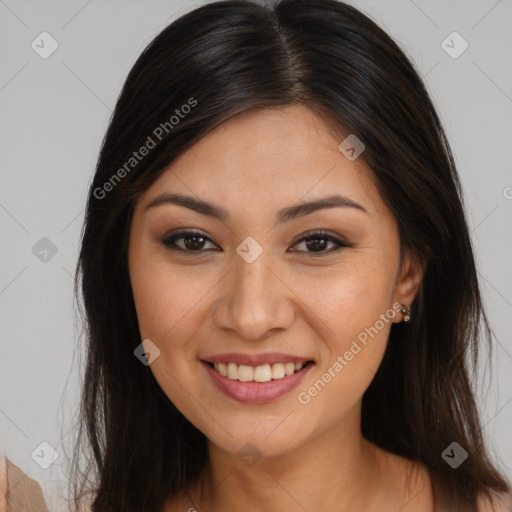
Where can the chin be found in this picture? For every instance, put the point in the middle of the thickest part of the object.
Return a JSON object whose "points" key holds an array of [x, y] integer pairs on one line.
{"points": [[257, 442]]}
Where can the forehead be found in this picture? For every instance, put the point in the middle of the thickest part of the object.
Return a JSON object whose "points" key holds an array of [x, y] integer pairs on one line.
{"points": [[267, 158]]}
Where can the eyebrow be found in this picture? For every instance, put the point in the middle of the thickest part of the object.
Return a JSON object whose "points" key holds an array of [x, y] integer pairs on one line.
{"points": [[283, 215]]}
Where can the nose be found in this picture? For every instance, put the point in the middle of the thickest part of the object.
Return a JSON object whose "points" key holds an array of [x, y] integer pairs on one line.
{"points": [[255, 302]]}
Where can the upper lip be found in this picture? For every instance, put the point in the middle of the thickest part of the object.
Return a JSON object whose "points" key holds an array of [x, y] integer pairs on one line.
{"points": [[255, 359]]}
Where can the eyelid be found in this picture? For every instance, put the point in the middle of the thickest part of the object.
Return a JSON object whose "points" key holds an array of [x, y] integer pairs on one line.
{"points": [[169, 241], [320, 232], [337, 240]]}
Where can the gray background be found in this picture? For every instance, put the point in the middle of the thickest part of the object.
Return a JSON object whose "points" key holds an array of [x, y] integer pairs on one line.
{"points": [[54, 113]]}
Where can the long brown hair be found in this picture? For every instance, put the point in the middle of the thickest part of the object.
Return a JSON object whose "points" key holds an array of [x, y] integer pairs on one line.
{"points": [[230, 56]]}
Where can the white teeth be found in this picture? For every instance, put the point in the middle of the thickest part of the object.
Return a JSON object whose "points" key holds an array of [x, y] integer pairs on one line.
{"points": [[245, 373], [289, 368], [232, 371], [223, 369], [278, 371], [264, 373]]}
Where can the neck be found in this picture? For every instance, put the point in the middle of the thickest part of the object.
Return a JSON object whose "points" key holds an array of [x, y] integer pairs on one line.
{"points": [[331, 472]]}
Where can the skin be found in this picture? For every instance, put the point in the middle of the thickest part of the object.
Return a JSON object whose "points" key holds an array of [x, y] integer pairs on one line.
{"points": [[197, 304]]}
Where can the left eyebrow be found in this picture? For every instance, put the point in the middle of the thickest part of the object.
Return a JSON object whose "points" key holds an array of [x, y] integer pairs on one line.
{"points": [[284, 215]]}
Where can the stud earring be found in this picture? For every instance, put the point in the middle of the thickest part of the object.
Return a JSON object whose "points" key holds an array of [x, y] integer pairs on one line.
{"points": [[406, 311]]}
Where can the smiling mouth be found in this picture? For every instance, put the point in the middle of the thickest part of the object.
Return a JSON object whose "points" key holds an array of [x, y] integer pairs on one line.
{"points": [[263, 373]]}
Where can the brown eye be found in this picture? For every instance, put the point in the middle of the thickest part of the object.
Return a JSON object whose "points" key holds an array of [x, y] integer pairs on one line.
{"points": [[318, 242], [192, 241]]}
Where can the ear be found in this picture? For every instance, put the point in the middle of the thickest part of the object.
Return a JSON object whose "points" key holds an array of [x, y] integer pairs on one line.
{"points": [[409, 279]]}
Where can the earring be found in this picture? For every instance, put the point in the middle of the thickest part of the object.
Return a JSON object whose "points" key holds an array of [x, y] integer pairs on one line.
{"points": [[406, 311]]}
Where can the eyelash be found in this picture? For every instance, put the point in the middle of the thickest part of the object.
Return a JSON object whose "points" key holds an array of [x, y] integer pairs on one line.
{"points": [[169, 242]]}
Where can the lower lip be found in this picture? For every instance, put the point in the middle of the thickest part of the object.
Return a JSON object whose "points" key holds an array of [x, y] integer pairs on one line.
{"points": [[256, 392]]}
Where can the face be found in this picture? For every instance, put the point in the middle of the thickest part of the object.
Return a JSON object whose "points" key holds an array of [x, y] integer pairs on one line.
{"points": [[255, 293]]}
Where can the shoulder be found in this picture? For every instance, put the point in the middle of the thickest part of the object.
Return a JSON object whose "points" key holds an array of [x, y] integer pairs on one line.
{"points": [[500, 503], [419, 490]]}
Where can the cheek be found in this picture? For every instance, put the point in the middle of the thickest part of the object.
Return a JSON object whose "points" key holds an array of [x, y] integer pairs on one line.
{"points": [[356, 316], [167, 302], [347, 298], [167, 298], [360, 319]]}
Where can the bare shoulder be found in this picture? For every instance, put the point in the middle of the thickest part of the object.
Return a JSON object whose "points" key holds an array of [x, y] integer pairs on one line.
{"points": [[500, 503]]}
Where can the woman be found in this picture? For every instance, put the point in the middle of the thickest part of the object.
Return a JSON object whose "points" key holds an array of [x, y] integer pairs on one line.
{"points": [[278, 278]]}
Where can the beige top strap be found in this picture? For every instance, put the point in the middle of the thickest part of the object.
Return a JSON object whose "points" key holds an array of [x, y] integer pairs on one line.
{"points": [[18, 492]]}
